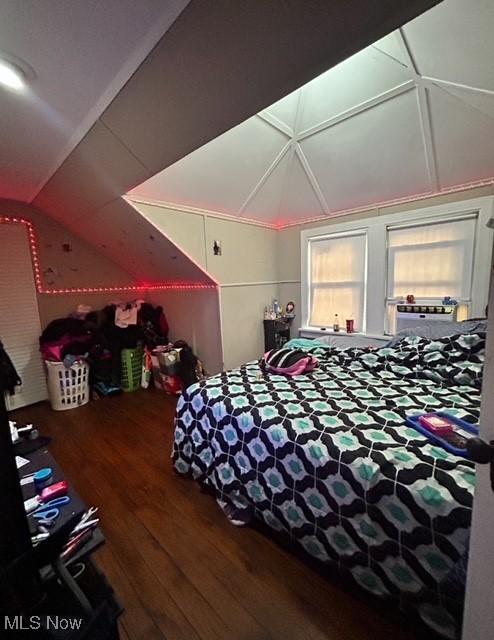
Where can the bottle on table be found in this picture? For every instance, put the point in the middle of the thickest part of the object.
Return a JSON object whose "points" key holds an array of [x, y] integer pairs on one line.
{"points": [[336, 323]]}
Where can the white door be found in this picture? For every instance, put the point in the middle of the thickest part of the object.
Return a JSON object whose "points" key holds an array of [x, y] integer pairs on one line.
{"points": [[20, 325], [479, 603]]}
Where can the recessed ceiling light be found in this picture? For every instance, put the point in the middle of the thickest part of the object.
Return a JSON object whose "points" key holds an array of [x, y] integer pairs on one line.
{"points": [[11, 76]]}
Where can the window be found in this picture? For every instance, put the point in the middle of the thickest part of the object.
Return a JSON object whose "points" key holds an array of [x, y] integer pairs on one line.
{"points": [[337, 279], [431, 260], [361, 267]]}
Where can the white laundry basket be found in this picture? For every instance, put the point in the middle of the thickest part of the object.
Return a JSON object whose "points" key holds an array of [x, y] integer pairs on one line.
{"points": [[68, 388]]}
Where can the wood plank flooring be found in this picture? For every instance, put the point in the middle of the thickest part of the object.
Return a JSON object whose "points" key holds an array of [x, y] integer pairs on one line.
{"points": [[180, 569]]}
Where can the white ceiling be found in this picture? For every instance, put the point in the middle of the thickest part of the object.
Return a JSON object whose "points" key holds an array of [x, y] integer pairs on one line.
{"points": [[411, 115], [82, 52]]}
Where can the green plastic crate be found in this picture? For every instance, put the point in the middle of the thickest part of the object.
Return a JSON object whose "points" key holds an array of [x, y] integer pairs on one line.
{"points": [[132, 368]]}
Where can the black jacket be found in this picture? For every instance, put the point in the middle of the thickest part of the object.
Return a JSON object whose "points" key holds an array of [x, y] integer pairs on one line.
{"points": [[9, 377]]}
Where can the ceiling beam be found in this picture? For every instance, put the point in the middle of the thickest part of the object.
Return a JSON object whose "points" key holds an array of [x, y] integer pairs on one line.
{"points": [[424, 110], [357, 109], [276, 123], [279, 157], [286, 177], [457, 85], [407, 53], [312, 179], [427, 136]]}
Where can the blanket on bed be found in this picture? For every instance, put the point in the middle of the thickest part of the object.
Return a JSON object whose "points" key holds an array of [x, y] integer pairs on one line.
{"points": [[328, 458]]}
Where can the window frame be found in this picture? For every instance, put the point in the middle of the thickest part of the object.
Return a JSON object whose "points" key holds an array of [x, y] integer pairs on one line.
{"points": [[456, 218], [335, 236], [376, 229]]}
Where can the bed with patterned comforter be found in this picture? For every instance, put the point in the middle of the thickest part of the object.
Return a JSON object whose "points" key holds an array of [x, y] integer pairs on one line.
{"points": [[328, 458]]}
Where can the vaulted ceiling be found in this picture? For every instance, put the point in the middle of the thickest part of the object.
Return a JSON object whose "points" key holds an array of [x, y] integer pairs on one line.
{"points": [[116, 92], [413, 114]]}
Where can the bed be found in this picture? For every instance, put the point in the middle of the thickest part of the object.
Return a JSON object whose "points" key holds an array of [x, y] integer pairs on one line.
{"points": [[328, 459]]}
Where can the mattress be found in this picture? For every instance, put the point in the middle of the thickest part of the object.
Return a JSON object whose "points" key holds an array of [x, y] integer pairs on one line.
{"points": [[328, 459]]}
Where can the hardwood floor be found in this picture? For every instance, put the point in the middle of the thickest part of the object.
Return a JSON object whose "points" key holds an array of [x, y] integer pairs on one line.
{"points": [[180, 569]]}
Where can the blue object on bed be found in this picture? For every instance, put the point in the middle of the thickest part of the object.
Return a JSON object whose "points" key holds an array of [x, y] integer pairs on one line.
{"points": [[414, 421], [328, 458]]}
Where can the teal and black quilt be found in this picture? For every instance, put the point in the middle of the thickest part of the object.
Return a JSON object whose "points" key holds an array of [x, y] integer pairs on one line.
{"points": [[328, 458]]}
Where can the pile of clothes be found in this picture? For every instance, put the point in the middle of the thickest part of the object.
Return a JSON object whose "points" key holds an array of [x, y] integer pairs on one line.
{"points": [[175, 367], [100, 336]]}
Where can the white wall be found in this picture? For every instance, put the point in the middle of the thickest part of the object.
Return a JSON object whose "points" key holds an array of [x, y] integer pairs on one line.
{"points": [[19, 320], [52, 307], [289, 258], [83, 266], [248, 250], [242, 311], [288, 253], [194, 316], [247, 271], [257, 264]]}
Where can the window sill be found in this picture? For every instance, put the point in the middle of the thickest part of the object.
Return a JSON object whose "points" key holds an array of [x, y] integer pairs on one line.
{"points": [[316, 332]]}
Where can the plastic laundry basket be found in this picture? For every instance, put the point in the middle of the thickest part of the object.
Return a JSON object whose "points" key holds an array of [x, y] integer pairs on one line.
{"points": [[68, 388], [132, 368]]}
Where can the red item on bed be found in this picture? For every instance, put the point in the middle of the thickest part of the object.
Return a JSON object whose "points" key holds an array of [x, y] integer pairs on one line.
{"points": [[437, 424]]}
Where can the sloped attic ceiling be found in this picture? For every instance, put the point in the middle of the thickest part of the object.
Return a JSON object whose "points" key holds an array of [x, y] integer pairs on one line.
{"points": [[195, 84], [129, 240], [411, 115], [77, 55]]}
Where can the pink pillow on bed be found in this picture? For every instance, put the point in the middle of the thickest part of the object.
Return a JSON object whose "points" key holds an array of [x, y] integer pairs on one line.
{"points": [[305, 364]]}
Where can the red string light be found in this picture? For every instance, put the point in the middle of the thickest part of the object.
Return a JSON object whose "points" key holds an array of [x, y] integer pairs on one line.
{"points": [[145, 287], [40, 288]]}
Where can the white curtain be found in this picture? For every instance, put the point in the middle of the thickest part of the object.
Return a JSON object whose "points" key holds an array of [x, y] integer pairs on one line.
{"points": [[432, 260], [337, 271]]}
